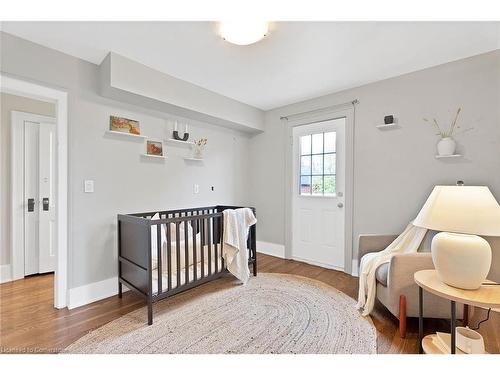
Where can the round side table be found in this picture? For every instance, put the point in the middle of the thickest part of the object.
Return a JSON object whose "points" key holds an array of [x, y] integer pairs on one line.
{"points": [[487, 296]]}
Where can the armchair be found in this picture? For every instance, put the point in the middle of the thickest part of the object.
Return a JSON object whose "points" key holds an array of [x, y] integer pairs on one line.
{"points": [[396, 289]]}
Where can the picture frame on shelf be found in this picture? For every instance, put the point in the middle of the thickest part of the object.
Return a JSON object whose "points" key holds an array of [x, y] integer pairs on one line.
{"points": [[124, 125], [154, 148]]}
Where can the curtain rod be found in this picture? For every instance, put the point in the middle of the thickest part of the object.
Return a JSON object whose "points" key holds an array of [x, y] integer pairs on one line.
{"points": [[353, 102]]}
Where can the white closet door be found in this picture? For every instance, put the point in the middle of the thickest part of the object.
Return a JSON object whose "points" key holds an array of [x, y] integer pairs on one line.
{"points": [[31, 197], [39, 198], [47, 165]]}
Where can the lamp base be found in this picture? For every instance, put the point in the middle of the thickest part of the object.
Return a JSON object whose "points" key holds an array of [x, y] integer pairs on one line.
{"points": [[461, 260]]}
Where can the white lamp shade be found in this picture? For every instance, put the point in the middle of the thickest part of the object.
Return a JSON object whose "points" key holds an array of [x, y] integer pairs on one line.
{"points": [[461, 209]]}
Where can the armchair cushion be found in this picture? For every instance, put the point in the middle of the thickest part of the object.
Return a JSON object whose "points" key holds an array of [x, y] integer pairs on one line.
{"points": [[381, 274]]}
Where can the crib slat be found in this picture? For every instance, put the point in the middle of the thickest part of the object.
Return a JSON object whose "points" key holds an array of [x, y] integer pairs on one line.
{"points": [[158, 259], [178, 254], [209, 235], [186, 252], [216, 230], [219, 241], [195, 261], [202, 247], [249, 241], [169, 256]]}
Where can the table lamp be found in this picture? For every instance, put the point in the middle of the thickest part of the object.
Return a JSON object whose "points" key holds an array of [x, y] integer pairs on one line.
{"points": [[461, 213]]}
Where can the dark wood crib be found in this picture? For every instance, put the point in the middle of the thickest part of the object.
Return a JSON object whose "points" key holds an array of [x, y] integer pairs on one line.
{"points": [[187, 246]]}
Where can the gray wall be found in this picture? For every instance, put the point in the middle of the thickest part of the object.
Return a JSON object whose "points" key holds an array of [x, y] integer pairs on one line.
{"points": [[10, 103], [394, 171], [124, 182]]}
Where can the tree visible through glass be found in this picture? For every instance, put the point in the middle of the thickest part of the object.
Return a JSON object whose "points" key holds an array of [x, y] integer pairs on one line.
{"points": [[318, 164]]}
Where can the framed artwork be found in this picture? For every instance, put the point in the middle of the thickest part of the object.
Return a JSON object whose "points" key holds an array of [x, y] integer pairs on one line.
{"points": [[124, 125], [154, 148]]}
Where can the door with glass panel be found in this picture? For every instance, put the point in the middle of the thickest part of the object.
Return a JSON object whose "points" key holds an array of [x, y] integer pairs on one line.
{"points": [[318, 193]]}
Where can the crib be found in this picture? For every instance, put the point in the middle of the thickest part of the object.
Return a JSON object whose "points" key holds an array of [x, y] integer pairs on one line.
{"points": [[163, 253]]}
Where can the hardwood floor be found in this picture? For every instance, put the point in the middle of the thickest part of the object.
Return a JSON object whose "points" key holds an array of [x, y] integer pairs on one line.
{"points": [[30, 324]]}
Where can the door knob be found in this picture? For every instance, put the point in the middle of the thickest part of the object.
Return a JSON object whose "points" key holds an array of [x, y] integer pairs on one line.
{"points": [[45, 203], [340, 205], [31, 204]]}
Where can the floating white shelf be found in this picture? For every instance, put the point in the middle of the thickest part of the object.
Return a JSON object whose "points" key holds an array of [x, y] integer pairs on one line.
{"points": [[112, 132], [448, 156], [194, 159], [177, 142], [388, 126], [153, 156]]}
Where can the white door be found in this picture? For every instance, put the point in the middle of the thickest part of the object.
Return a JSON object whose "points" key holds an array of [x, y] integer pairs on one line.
{"points": [[318, 193], [39, 197]]}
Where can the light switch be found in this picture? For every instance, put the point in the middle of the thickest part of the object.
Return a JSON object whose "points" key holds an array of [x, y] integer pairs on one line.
{"points": [[88, 186], [196, 188]]}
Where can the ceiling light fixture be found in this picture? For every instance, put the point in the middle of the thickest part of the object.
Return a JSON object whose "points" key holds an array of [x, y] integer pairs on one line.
{"points": [[243, 32]]}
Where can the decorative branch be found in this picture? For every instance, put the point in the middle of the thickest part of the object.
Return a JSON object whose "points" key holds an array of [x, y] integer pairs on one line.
{"points": [[452, 129], [434, 122]]}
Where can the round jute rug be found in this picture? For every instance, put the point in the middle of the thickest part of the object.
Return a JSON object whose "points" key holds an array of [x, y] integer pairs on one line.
{"points": [[272, 313]]}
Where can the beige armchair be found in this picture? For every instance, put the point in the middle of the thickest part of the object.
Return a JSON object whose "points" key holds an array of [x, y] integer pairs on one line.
{"points": [[396, 288]]}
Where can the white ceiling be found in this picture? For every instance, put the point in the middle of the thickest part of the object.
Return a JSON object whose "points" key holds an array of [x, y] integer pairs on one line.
{"points": [[297, 61]]}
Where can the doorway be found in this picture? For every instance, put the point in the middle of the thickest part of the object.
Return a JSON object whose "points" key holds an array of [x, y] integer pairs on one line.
{"points": [[318, 215], [36, 135], [58, 218], [319, 197]]}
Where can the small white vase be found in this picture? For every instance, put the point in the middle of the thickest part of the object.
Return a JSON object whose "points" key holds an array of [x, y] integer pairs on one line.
{"points": [[198, 152], [446, 146]]}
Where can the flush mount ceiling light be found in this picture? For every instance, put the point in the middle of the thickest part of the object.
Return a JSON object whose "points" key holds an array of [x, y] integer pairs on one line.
{"points": [[243, 32]]}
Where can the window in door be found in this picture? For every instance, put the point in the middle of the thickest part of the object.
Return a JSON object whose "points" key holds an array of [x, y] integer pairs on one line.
{"points": [[317, 164]]}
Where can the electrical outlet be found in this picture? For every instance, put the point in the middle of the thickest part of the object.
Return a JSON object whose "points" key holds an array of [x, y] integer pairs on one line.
{"points": [[88, 186], [196, 188]]}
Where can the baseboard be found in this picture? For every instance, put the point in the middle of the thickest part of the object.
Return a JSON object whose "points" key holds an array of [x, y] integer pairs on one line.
{"points": [[89, 293], [5, 273], [269, 248]]}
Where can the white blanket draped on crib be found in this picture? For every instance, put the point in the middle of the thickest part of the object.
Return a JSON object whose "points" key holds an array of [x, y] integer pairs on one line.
{"points": [[235, 252], [407, 242]]}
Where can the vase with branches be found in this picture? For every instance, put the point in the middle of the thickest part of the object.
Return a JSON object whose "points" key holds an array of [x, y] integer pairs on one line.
{"points": [[198, 147], [447, 145]]}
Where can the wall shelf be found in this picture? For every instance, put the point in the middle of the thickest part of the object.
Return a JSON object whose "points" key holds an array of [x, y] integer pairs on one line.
{"points": [[177, 142], [194, 159], [153, 156], [129, 135], [448, 156], [387, 126]]}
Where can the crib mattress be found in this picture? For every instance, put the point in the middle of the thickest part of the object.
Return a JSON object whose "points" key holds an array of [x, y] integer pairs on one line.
{"points": [[164, 279]]}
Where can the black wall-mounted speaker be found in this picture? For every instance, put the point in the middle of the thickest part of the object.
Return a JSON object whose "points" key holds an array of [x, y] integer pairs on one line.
{"points": [[388, 119]]}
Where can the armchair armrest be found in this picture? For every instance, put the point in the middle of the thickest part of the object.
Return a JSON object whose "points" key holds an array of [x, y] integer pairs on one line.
{"points": [[400, 281], [403, 267], [369, 243]]}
